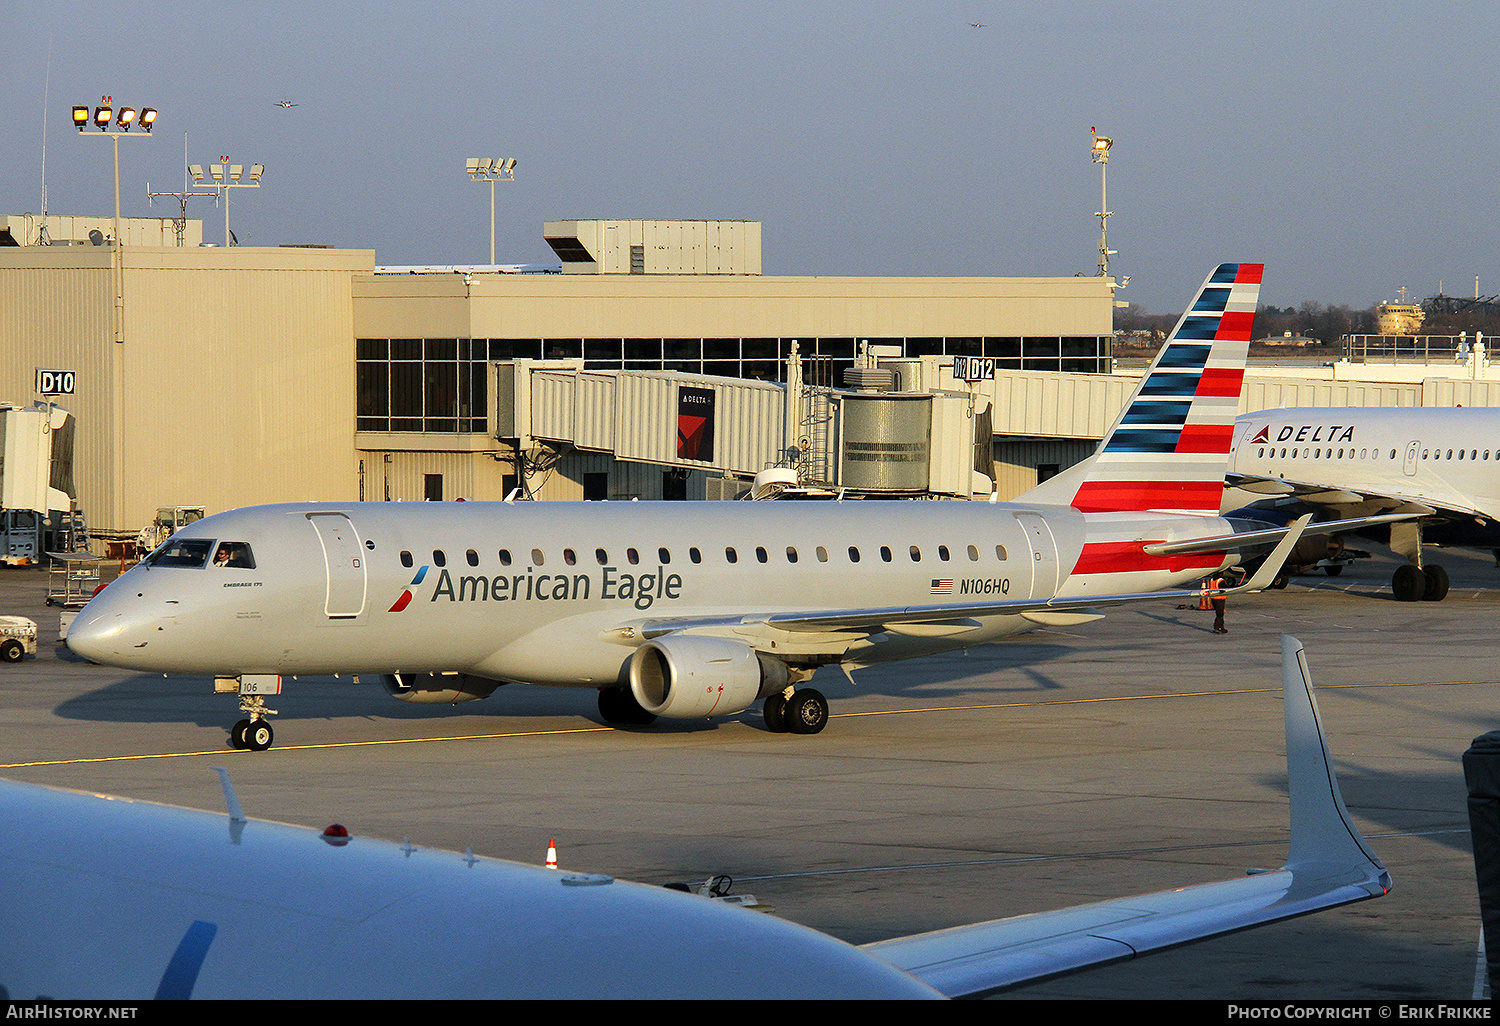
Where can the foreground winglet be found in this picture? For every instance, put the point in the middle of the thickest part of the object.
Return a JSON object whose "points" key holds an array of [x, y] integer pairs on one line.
{"points": [[1329, 865]]}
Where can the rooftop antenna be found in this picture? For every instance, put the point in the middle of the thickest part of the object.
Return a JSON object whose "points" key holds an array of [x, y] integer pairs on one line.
{"points": [[179, 224], [41, 234]]}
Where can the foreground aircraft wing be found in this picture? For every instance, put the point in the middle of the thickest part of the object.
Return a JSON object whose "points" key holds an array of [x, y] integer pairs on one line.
{"points": [[1329, 865], [954, 618], [113, 899]]}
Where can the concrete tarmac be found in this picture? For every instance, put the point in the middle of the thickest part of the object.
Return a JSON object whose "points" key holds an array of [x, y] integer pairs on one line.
{"points": [[1070, 765]]}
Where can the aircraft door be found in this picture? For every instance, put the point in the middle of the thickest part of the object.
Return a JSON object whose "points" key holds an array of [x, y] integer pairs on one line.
{"points": [[1043, 554], [1410, 466], [345, 561]]}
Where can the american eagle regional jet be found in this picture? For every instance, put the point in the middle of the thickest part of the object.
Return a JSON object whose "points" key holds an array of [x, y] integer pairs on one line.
{"points": [[693, 611]]}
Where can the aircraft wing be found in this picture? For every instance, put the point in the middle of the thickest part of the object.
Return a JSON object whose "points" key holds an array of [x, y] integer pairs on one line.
{"points": [[956, 618], [1328, 865], [1323, 495]]}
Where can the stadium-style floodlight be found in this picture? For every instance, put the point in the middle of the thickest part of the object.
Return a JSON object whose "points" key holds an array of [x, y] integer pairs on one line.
{"points": [[226, 176], [1101, 157], [104, 115], [492, 170]]}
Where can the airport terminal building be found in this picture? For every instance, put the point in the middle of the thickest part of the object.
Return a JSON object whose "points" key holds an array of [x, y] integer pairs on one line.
{"points": [[226, 377]]}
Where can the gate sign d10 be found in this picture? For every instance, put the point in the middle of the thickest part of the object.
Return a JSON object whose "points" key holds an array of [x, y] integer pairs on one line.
{"points": [[974, 368], [54, 382]]}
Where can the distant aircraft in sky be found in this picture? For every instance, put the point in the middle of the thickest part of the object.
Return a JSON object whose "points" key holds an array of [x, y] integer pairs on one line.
{"points": [[285, 103], [693, 611], [126, 900], [1439, 462]]}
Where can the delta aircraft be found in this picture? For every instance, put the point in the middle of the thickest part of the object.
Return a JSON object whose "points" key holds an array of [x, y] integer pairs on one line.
{"points": [[693, 612], [112, 899], [1442, 464]]}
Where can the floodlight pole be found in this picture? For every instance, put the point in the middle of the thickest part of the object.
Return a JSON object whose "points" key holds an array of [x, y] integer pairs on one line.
{"points": [[483, 169], [1101, 157]]}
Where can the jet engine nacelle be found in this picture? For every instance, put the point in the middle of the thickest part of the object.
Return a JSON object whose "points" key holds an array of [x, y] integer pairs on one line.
{"points": [[437, 688], [686, 677]]}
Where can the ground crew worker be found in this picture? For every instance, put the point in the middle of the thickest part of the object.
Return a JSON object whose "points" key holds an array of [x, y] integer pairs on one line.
{"points": [[1219, 602]]}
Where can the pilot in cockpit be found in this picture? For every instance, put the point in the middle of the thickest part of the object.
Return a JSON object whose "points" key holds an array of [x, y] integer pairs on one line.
{"points": [[235, 555]]}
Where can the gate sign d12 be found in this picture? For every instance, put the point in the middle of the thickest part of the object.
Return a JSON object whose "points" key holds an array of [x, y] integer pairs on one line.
{"points": [[55, 382], [974, 368]]}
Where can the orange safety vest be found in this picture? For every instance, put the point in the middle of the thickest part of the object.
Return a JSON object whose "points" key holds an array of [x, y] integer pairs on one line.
{"points": [[1209, 583]]}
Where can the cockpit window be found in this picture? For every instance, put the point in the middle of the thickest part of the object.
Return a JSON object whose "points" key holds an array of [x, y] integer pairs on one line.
{"points": [[187, 552], [235, 555]]}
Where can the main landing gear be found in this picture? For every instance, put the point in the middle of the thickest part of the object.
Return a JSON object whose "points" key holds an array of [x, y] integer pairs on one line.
{"points": [[618, 705], [801, 711], [1425, 583]]}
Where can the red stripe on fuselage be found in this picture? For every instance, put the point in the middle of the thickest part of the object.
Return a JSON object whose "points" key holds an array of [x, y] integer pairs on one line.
{"points": [[1129, 496], [1130, 557]]}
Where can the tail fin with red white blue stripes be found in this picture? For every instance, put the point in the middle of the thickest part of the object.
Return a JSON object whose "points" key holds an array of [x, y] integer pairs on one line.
{"points": [[1169, 448]]}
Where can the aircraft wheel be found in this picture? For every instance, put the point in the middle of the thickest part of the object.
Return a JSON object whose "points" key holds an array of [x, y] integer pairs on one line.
{"points": [[775, 713], [1436, 580], [1409, 583], [237, 734], [12, 650], [1333, 571], [806, 712], [618, 705], [259, 735], [1279, 583]]}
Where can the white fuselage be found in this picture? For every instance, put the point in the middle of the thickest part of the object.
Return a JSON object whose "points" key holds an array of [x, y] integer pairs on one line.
{"points": [[1446, 457], [556, 593]]}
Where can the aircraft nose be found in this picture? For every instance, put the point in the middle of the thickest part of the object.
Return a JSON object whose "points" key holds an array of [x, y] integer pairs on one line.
{"points": [[97, 632]]}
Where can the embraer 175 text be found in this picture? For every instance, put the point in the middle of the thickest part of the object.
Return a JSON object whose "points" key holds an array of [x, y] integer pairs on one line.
{"points": [[701, 610], [112, 899], [1439, 463]]}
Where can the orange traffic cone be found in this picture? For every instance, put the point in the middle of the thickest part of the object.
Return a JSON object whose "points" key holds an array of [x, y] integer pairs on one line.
{"points": [[552, 853]]}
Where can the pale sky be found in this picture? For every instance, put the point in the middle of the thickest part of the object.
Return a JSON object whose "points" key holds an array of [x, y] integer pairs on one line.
{"points": [[1351, 149]]}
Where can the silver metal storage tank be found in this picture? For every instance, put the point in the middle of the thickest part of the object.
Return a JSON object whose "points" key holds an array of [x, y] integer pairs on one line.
{"points": [[887, 441]]}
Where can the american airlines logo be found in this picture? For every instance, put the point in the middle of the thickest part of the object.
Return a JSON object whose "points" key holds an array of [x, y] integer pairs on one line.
{"points": [[639, 589], [1299, 433]]}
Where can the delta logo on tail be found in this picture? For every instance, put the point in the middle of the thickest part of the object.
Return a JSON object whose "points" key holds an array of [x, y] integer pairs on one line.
{"points": [[1168, 450]]}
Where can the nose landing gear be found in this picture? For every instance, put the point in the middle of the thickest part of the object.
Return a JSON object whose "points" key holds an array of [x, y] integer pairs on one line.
{"points": [[254, 732]]}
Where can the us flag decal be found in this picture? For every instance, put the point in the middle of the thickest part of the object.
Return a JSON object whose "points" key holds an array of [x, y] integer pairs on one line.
{"points": [[942, 587]]}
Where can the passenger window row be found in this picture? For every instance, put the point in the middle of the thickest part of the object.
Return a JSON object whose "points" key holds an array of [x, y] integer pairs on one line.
{"points": [[1364, 454], [695, 555]]}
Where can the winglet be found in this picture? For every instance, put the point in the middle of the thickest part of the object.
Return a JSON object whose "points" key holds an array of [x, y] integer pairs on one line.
{"points": [[1321, 831], [1328, 865], [1272, 564]]}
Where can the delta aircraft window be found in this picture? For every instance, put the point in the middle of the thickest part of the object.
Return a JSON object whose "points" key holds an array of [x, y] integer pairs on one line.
{"points": [[439, 558], [730, 555], [853, 554], [188, 552], [822, 554], [405, 558], [505, 557], [885, 553], [472, 557], [235, 555], [791, 554], [536, 557], [760, 553]]}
